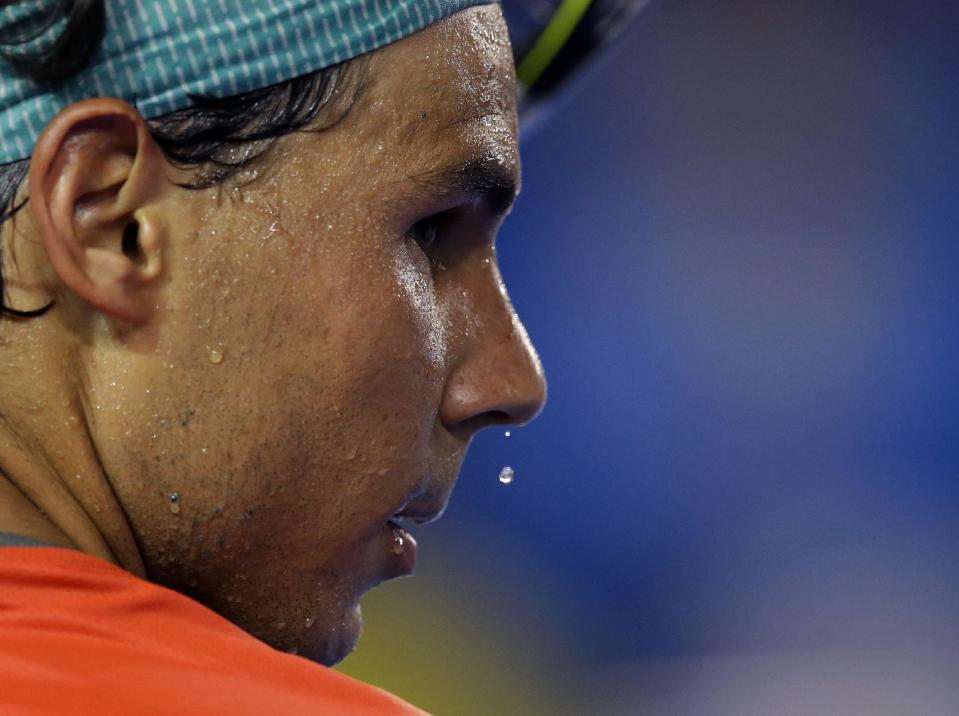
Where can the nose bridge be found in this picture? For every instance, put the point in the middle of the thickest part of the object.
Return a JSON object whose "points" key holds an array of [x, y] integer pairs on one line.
{"points": [[498, 378], [519, 362]]}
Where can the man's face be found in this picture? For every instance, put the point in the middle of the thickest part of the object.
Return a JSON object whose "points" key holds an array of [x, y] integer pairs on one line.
{"points": [[315, 371]]}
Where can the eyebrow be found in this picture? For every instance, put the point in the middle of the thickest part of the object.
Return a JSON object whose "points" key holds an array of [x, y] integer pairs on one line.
{"points": [[488, 178]]}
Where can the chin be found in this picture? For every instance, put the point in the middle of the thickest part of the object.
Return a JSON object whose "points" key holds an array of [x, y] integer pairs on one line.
{"points": [[331, 646]]}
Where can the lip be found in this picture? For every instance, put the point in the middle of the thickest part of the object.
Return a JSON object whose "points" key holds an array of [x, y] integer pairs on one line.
{"points": [[398, 544], [422, 513], [401, 549]]}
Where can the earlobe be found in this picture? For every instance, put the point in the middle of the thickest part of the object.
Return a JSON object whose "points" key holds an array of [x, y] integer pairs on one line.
{"points": [[94, 173]]}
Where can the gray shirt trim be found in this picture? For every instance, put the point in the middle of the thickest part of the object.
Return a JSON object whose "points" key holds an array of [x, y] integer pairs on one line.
{"points": [[8, 539]]}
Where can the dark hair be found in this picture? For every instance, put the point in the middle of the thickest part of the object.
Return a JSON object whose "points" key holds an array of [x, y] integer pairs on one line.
{"points": [[218, 136]]}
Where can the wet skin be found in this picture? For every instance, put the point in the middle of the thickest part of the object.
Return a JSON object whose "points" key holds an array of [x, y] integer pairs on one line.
{"points": [[317, 345]]}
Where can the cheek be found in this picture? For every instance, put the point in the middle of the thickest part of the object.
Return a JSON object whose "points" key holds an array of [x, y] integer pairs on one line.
{"points": [[330, 365], [374, 296], [357, 380], [335, 397], [417, 294]]}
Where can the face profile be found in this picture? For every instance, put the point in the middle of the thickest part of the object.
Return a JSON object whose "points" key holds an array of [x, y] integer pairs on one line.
{"points": [[253, 392]]}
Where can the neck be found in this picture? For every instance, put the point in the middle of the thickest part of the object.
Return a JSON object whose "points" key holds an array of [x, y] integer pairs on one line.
{"points": [[19, 516], [52, 485]]}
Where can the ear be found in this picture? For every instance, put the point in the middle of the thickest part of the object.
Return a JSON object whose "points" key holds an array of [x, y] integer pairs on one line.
{"points": [[94, 172]]}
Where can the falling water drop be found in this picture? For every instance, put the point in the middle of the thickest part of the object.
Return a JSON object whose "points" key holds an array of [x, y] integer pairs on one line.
{"points": [[506, 475], [507, 434]]}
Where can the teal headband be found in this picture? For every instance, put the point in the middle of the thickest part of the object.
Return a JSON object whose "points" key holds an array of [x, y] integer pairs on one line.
{"points": [[157, 53]]}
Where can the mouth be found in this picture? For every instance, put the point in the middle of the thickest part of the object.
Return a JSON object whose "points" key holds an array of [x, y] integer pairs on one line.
{"points": [[401, 544], [401, 548], [420, 513]]}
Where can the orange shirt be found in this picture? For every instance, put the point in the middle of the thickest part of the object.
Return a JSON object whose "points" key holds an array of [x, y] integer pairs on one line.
{"points": [[81, 636]]}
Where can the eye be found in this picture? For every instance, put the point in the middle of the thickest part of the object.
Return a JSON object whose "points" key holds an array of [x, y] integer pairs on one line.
{"points": [[426, 234]]}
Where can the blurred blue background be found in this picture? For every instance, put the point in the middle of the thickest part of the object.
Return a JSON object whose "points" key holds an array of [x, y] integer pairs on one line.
{"points": [[736, 251]]}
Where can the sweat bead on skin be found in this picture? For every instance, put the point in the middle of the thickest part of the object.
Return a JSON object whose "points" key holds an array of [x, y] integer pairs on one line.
{"points": [[264, 380]]}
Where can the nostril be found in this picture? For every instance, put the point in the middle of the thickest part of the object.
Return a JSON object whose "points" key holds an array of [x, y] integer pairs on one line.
{"points": [[489, 419], [498, 417]]}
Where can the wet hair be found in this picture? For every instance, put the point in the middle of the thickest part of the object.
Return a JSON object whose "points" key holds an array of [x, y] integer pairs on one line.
{"points": [[216, 136]]}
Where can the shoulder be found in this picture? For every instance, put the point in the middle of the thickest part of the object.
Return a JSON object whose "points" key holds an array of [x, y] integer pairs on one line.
{"points": [[76, 630]]}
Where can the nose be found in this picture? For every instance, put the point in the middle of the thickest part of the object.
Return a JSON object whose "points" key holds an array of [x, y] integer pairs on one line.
{"points": [[497, 378]]}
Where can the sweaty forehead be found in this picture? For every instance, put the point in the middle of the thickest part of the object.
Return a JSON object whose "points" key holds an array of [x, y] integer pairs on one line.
{"points": [[448, 89]]}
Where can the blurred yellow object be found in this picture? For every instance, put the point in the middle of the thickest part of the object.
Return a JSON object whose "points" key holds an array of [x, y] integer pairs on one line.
{"points": [[458, 641]]}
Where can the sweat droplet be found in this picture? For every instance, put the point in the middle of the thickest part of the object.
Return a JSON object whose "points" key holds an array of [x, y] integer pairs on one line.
{"points": [[506, 475], [216, 356], [398, 545], [309, 621], [175, 503]]}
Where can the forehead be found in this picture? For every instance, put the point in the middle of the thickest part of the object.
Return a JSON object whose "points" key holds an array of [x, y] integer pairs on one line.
{"points": [[449, 90]]}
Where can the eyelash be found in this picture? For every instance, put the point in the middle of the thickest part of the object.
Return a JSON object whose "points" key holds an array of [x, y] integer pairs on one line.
{"points": [[425, 233]]}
